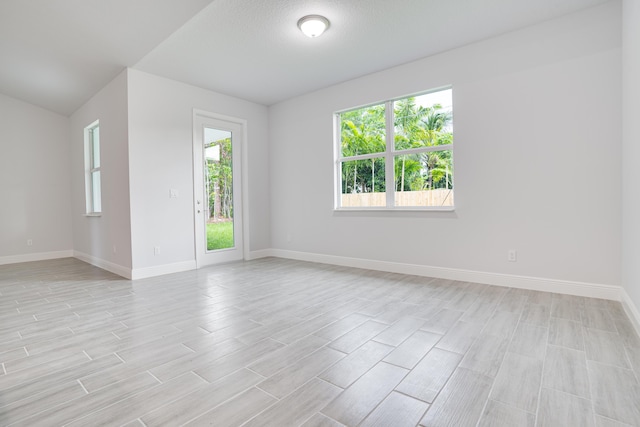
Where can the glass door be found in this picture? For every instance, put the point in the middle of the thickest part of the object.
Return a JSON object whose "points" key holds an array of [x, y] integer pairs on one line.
{"points": [[218, 198]]}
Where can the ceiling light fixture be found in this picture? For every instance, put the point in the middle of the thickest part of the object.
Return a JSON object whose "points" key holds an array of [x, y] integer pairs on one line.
{"points": [[313, 25]]}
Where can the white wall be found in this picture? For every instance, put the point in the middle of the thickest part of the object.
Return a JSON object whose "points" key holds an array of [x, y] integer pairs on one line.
{"points": [[94, 238], [537, 154], [160, 155], [34, 182], [631, 152]]}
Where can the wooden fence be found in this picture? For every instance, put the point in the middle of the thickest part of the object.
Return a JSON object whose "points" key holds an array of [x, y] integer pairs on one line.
{"points": [[439, 197]]}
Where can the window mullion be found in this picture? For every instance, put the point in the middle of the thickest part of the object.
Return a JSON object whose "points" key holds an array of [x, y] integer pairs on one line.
{"points": [[389, 169]]}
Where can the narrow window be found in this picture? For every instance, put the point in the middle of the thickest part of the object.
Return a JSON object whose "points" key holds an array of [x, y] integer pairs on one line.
{"points": [[397, 154], [92, 169]]}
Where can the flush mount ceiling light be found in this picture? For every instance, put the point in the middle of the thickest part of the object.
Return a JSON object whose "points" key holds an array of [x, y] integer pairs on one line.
{"points": [[313, 25]]}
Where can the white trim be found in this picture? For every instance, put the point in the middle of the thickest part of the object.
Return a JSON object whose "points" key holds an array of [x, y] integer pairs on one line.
{"points": [[630, 308], [39, 256], [592, 290], [160, 270], [264, 253], [104, 264]]}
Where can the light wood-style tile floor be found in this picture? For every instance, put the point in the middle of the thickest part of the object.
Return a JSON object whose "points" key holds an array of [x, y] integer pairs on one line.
{"points": [[283, 343]]}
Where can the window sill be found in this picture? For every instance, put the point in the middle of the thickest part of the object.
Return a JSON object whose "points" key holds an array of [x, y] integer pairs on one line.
{"points": [[95, 214]]}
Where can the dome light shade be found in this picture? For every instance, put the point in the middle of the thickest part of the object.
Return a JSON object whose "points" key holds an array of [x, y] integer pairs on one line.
{"points": [[313, 25]]}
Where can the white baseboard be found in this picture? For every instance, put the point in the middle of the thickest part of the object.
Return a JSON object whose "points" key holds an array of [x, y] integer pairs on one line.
{"points": [[104, 264], [631, 310], [264, 253], [177, 267], [40, 256], [592, 290]]}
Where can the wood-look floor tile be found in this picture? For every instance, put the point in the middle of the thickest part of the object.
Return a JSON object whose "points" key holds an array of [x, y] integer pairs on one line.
{"points": [[234, 361], [358, 336], [303, 329], [565, 370], [41, 359], [202, 400], [530, 340], [628, 333], [502, 324], [141, 403], [413, 349], [480, 311], [462, 301], [461, 401], [566, 309], [605, 347], [236, 411], [396, 311], [536, 314], [395, 334], [596, 318], [616, 393], [497, 414], [541, 298], [10, 355], [201, 321], [258, 334], [341, 327], [608, 422], [298, 406], [296, 374], [287, 355], [633, 354], [349, 369], [485, 355], [460, 337], [512, 301], [24, 381], [396, 410], [566, 333], [425, 381], [562, 409], [321, 420], [442, 321], [48, 398], [518, 382], [364, 395], [74, 409]]}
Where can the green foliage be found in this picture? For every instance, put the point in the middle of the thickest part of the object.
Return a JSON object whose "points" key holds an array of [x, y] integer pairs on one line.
{"points": [[220, 181], [415, 126], [219, 235]]}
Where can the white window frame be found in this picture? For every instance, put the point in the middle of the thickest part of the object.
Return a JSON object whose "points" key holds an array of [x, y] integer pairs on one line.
{"points": [[93, 198], [389, 154]]}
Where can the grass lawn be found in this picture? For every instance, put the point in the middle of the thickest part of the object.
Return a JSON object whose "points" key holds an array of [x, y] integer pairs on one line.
{"points": [[219, 235]]}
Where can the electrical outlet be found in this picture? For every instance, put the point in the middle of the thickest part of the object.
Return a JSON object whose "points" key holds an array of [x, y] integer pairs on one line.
{"points": [[156, 250], [173, 193], [512, 255], [29, 242]]}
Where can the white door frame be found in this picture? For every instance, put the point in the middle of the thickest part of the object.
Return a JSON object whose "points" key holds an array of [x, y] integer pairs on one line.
{"points": [[243, 178]]}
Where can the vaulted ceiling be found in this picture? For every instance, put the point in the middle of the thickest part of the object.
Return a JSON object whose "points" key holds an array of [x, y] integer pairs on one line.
{"points": [[58, 53]]}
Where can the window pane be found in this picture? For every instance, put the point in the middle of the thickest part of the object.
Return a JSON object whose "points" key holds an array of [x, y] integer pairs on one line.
{"points": [[423, 121], [424, 179], [363, 183], [362, 131], [95, 192], [95, 147]]}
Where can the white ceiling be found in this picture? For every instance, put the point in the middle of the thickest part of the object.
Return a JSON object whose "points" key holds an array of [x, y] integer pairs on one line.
{"points": [[58, 53]]}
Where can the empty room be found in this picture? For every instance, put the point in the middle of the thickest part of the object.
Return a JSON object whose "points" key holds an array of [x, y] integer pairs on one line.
{"points": [[319, 213]]}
